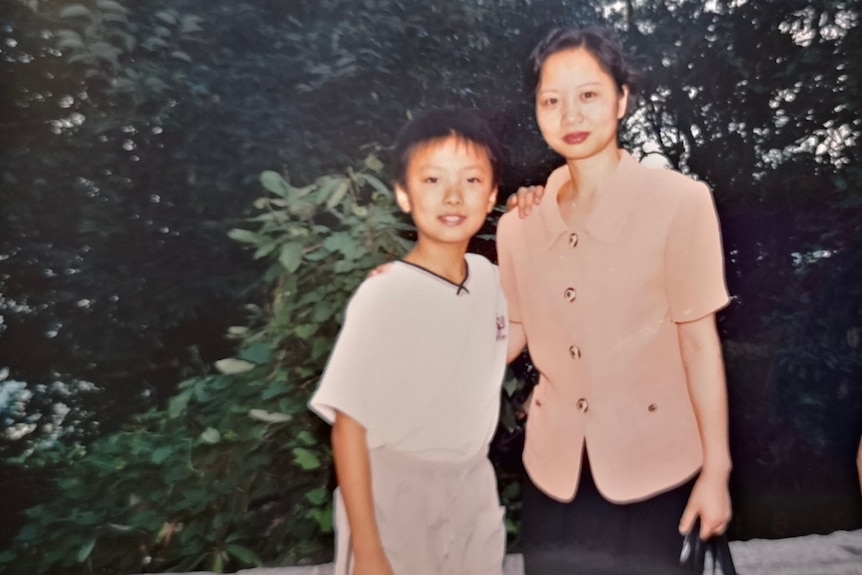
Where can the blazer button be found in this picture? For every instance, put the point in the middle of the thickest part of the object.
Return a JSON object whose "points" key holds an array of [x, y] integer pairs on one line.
{"points": [[652, 407], [583, 405], [570, 294], [573, 239], [574, 352]]}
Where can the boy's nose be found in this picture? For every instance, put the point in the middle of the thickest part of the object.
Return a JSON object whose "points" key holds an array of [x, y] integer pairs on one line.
{"points": [[453, 194]]}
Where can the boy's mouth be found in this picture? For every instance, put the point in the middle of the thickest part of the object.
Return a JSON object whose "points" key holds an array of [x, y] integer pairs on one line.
{"points": [[452, 220]]}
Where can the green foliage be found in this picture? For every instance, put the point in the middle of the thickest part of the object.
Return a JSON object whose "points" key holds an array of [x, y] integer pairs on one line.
{"points": [[234, 471], [133, 130]]}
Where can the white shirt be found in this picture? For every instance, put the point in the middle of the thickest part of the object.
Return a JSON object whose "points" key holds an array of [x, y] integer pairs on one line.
{"points": [[419, 361]]}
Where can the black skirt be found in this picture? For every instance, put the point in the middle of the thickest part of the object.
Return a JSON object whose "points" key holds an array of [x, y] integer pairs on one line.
{"points": [[592, 536]]}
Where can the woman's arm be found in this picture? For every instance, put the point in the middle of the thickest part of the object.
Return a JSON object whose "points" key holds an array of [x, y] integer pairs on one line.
{"points": [[517, 340], [704, 368], [353, 468]]}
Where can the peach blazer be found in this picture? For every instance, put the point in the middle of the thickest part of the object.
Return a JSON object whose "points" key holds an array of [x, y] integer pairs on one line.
{"points": [[599, 306]]}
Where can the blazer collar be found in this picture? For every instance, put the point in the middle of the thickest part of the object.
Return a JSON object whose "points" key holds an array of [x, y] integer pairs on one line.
{"points": [[612, 209]]}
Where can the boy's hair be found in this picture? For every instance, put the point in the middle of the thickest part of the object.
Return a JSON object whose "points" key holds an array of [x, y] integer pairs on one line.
{"points": [[598, 42], [436, 125]]}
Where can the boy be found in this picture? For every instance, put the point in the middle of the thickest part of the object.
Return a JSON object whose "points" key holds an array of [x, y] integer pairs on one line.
{"points": [[412, 388]]}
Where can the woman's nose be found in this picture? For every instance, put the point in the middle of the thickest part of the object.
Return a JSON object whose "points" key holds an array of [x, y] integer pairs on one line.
{"points": [[571, 113]]}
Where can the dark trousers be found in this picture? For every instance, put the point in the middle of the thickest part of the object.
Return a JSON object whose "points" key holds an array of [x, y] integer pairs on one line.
{"points": [[592, 536]]}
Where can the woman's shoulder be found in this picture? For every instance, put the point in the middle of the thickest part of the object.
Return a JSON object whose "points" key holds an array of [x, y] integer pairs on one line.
{"points": [[511, 223], [668, 181]]}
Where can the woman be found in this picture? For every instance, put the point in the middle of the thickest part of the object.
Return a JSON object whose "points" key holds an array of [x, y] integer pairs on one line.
{"points": [[614, 282]]}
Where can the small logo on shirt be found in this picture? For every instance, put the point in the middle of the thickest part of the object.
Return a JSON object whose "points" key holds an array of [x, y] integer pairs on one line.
{"points": [[501, 327]]}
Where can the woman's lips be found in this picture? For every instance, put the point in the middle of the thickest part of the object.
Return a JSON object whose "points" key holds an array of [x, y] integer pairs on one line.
{"points": [[575, 137]]}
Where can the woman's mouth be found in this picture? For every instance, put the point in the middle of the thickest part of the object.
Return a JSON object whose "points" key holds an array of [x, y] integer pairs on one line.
{"points": [[575, 137]]}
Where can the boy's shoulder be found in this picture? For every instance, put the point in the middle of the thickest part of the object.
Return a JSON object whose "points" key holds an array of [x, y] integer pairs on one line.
{"points": [[384, 289], [402, 287], [478, 262]]}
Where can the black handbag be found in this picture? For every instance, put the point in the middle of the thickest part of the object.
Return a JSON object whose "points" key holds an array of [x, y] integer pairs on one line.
{"points": [[694, 551]]}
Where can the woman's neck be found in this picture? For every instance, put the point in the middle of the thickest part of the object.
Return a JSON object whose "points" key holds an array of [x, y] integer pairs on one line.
{"points": [[589, 177]]}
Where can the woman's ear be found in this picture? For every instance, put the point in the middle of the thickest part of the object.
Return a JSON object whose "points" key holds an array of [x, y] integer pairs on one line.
{"points": [[623, 102], [402, 198]]}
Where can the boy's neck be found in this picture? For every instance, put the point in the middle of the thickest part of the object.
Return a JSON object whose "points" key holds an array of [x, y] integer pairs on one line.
{"points": [[445, 261]]}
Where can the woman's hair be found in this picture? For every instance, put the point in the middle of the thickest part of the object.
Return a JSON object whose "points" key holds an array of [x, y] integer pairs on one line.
{"points": [[598, 42]]}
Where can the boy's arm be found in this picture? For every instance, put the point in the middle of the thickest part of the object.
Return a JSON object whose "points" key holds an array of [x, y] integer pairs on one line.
{"points": [[353, 469]]}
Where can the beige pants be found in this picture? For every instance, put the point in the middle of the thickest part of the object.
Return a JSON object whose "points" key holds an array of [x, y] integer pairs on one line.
{"points": [[434, 517]]}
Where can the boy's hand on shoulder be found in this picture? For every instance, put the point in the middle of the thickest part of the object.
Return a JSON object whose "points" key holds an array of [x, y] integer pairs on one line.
{"points": [[379, 270], [524, 199], [372, 564]]}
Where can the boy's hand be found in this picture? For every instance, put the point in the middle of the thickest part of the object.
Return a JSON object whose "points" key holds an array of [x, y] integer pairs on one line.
{"points": [[381, 269], [524, 199], [372, 564]]}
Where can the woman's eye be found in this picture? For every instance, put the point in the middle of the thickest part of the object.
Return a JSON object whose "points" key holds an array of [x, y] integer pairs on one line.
{"points": [[589, 95], [430, 180], [474, 180]]}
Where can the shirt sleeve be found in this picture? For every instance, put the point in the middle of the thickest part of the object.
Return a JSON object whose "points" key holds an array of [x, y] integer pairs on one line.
{"points": [[694, 265], [507, 269], [351, 379]]}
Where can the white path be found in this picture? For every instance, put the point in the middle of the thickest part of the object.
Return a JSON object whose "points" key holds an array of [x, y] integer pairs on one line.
{"points": [[839, 553]]}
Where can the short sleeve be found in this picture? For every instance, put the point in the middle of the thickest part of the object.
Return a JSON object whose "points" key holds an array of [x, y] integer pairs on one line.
{"points": [[350, 373], [507, 270], [694, 265]]}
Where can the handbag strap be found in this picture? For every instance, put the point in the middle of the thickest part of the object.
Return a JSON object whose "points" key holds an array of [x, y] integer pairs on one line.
{"points": [[721, 557]]}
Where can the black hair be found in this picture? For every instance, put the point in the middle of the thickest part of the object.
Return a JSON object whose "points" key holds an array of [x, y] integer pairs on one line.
{"points": [[440, 124], [598, 42]]}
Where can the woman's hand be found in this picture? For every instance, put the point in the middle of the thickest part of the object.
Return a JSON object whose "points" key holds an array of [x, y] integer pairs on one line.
{"points": [[709, 500], [372, 564], [524, 199], [379, 270]]}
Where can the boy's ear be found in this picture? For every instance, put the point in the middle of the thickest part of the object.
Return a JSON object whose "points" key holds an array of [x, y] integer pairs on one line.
{"points": [[402, 198], [492, 200]]}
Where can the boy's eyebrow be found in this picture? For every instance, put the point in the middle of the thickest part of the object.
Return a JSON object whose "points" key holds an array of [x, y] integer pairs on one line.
{"points": [[471, 166]]}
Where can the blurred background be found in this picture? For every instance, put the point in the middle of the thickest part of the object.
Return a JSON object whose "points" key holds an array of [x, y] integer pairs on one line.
{"points": [[190, 190]]}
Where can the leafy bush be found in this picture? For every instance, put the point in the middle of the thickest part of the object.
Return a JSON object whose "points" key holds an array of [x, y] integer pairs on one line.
{"points": [[234, 471]]}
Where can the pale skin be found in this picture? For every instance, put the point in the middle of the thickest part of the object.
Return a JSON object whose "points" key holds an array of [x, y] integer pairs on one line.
{"points": [[578, 108], [449, 190]]}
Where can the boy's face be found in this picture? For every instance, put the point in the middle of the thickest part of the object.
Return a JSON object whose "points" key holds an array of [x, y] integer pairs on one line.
{"points": [[449, 190]]}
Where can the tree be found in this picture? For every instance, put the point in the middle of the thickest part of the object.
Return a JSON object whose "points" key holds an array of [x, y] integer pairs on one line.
{"points": [[232, 472]]}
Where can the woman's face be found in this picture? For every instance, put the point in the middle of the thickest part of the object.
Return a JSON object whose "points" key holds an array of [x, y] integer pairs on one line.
{"points": [[578, 105]]}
